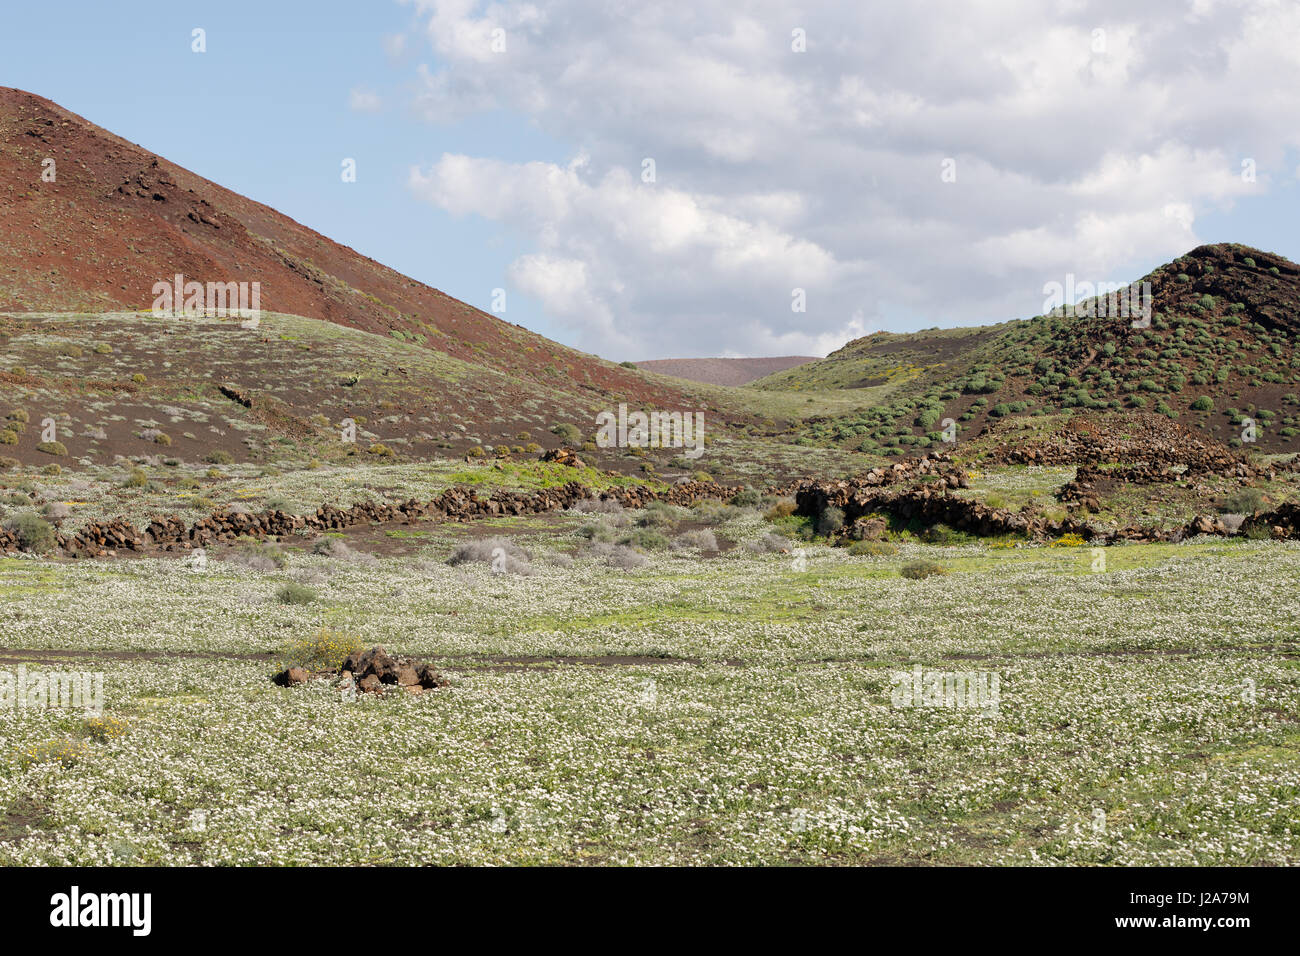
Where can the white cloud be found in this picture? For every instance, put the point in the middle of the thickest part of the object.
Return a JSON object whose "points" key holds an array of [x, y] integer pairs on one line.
{"points": [[395, 46], [620, 257], [1088, 135], [364, 101]]}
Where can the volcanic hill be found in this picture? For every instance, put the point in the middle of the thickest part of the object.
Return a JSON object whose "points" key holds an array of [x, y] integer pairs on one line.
{"points": [[118, 219], [1218, 355]]}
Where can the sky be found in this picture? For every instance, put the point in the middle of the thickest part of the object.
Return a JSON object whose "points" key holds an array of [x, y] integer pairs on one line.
{"points": [[736, 179]]}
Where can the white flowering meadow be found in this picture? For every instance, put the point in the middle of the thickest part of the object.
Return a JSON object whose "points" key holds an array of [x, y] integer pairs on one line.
{"points": [[729, 709]]}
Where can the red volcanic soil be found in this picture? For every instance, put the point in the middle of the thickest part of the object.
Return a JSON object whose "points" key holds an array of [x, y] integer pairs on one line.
{"points": [[119, 218], [723, 371]]}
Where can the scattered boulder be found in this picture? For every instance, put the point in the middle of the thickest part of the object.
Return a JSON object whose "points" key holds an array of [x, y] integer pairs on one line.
{"points": [[372, 671], [1206, 524], [429, 677], [868, 528], [374, 662], [292, 676], [563, 456]]}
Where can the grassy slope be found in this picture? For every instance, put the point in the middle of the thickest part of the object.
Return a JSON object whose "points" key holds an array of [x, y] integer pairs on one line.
{"points": [[309, 375], [1224, 330], [199, 449]]}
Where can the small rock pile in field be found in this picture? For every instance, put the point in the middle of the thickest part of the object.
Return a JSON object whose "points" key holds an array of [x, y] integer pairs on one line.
{"points": [[104, 536], [1081, 492], [372, 672], [563, 456]]}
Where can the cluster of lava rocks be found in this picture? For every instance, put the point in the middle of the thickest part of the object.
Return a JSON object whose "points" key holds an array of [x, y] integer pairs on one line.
{"points": [[371, 672]]}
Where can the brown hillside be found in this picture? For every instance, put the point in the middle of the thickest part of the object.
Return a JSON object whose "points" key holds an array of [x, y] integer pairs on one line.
{"points": [[119, 218]]}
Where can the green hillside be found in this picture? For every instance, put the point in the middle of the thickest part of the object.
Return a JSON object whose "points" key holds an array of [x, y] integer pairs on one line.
{"points": [[1218, 355]]}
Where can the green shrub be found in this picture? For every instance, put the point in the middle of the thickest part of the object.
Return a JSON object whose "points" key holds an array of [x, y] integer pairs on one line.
{"points": [[294, 593], [942, 534], [922, 569], [66, 751], [1203, 404], [1243, 501], [830, 521], [259, 555], [105, 729], [648, 539], [596, 531], [8, 438], [219, 457], [567, 432], [660, 514], [783, 508], [34, 532]]}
